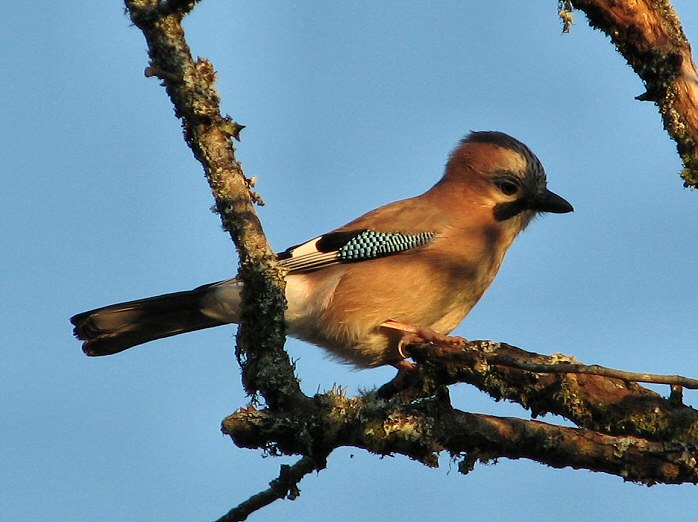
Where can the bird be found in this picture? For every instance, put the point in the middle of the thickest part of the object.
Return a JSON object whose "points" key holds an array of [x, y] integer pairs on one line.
{"points": [[408, 271]]}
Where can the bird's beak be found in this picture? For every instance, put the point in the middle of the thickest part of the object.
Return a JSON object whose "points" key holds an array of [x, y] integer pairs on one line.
{"points": [[550, 202]]}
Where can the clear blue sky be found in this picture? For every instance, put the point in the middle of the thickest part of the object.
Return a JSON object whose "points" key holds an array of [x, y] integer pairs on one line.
{"points": [[347, 107]]}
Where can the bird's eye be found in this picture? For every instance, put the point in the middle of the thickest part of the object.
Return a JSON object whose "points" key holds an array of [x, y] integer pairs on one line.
{"points": [[508, 188]]}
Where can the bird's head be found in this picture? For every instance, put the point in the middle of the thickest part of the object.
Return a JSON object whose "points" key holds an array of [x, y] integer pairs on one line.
{"points": [[502, 174]]}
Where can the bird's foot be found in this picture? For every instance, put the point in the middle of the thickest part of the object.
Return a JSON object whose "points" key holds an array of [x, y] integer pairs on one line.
{"points": [[404, 366], [412, 334]]}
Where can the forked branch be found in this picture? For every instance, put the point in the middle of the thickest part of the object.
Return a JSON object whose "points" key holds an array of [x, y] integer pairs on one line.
{"points": [[623, 428]]}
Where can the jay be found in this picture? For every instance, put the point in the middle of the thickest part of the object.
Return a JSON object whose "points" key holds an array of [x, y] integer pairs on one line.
{"points": [[408, 271]]}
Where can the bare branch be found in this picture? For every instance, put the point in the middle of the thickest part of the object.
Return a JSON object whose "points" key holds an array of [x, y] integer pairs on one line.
{"points": [[651, 378], [284, 486], [649, 35]]}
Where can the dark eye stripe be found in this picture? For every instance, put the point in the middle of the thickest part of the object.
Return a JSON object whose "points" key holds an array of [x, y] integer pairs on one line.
{"points": [[504, 211]]}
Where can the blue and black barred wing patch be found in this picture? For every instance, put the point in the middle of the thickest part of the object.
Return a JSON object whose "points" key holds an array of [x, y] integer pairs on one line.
{"points": [[350, 247]]}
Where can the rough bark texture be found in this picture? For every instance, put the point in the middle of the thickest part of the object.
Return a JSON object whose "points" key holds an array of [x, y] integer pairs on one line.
{"points": [[422, 429], [624, 429], [649, 35], [190, 86]]}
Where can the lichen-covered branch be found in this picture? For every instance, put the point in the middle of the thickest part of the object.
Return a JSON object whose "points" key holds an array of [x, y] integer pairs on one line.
{"points": [[422, 429], [649, 35], [596, 402], [623, 428], [190, 86]]}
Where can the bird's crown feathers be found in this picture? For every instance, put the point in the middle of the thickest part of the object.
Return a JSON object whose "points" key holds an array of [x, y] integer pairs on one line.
{"points": [[531, 173]]}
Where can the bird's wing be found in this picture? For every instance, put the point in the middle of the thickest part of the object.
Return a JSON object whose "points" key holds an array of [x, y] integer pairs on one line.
{"points": [[350, 246], [393, 229]]}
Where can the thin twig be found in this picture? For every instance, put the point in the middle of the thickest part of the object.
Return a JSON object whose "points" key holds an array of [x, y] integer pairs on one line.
{"points": [[284, 486], [595, 369]]}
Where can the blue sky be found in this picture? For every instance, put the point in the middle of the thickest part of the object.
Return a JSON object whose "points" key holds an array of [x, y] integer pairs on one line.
{"points": [[347, 107]]}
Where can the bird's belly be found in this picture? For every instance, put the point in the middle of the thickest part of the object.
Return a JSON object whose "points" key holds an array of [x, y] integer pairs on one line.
{"points": [[344, 318]]}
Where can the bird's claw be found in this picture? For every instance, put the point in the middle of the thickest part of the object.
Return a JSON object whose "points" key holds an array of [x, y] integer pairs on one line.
{"points": [[422, 334]]}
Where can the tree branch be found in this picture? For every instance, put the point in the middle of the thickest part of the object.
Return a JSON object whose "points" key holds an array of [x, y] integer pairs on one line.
{"points": [[624, 429], [284, 486], [595, 369], [597, 402], [422, 429], [649, 35], [190, 85]]}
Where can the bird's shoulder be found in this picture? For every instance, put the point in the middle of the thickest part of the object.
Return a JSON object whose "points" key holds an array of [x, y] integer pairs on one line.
{"points": [[395, 228], [416, 214]]}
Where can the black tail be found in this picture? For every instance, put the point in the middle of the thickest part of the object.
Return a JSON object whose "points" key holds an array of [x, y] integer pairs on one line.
{"points": [[112, 329]]}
